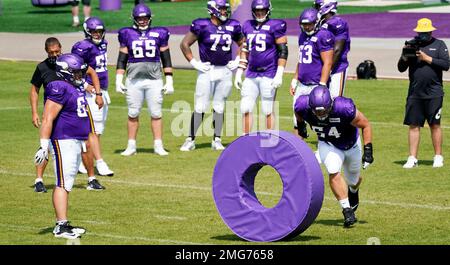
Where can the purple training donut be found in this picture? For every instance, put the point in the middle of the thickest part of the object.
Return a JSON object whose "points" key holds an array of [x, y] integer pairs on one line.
{"points": [[234, 194]]}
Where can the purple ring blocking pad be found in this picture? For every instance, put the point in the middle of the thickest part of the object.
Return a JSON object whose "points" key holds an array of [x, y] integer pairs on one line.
{"points": [[234, 178]]}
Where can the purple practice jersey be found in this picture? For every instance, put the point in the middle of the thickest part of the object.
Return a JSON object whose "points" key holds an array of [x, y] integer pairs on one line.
{"points": [[72, 121], [215, 42], [339, 28], [336, 129], [263, 56], [310, 64], [143, 46], [96, 57]]}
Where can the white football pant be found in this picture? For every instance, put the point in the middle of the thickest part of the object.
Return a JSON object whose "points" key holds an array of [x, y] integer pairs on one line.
{"points": [[337, 83], [66, 160], [254, 87], [216, 83], [98, 115], [150, 90]]}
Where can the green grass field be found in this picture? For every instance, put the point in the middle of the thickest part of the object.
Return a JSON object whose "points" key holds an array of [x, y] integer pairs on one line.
{"points": [[21, 16], [168, 200]]}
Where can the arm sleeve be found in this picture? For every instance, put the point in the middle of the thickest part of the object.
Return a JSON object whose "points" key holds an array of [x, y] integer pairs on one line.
{"points": [[402, 65], [443, 60], [56, 93], [36, 80]]}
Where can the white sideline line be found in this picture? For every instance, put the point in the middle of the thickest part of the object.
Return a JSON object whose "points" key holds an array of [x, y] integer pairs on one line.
{"points": [[158, 240], [178, 218], [281, 117], [191, 187]]}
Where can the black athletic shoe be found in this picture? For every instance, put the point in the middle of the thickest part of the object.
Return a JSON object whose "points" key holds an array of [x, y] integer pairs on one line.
{"points": [[65, 231], [94, 185], [39, 187], [353, 198], [349, 217]]}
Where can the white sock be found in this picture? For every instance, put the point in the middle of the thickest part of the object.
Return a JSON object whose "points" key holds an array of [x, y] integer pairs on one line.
{"points": [[344, 203], [132, 143], [38, 180], [61, 222], [99, 161], [76, 19], [91, 178], [157, 142]]}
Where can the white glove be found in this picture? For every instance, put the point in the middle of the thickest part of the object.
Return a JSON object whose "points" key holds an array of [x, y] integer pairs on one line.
{"points": [[278, 79], [168, 87], [200, 66], [42, 152], [233, 64], [238, 78], [120, 87]]}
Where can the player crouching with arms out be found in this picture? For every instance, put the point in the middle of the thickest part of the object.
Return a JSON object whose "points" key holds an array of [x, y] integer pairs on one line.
{"points": [[336, 123]]}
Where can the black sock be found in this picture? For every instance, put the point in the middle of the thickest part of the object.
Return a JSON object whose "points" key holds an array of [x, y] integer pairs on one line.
{"points": [[217, 124], [196, 120]]}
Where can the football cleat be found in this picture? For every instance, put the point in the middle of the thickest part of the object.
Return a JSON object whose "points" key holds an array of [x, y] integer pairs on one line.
{"points": [[159, 150], [82, 169], [39, 187], [353, 198], [94, 185], [438, 161], [216, 144], [411, 162], [188, 145], [65, 231], [103, 169], [349, 217], [129, 152]]}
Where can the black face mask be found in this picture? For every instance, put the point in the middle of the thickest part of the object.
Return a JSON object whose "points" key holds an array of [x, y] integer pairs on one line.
{"points": [[52, 59], [424, 36]]}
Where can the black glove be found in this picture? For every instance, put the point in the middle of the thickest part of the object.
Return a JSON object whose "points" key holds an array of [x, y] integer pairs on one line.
{"points": [[367, 158], [301, 128]]}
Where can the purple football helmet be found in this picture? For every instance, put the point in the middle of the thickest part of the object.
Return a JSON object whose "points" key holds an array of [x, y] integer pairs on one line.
{"points": [[264, 5], [71, 68], [320, 102], [92, 24], [215, 6], [309, 16], [139, 11], [318, 3], [328, 6]]}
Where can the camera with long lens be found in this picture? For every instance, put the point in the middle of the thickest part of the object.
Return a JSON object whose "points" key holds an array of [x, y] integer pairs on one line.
{"points": [[411, 47]]}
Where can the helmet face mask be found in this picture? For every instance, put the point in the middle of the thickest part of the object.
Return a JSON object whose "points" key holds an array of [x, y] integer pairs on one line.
{"points": [[142, 17], [94, 29], [261, 10], [71, 68], [320, 102], [220, 9]]}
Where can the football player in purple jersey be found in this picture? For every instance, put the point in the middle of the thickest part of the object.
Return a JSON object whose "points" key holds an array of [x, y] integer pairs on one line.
{"points": [[339, 28], [142, 50], [215, 36], [315, 59], [93, 50], [336, 123], [45, 73], [65, 128], [266, 52]]}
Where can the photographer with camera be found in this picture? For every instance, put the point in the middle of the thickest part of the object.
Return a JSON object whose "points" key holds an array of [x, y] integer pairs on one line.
{"points": [[426, 57]]}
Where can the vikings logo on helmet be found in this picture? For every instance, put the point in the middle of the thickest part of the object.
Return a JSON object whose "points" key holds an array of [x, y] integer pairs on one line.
{"points": [[261, 5], [328, 6], [140, 11], [215, 8], [320, 102], [71, 68], [309, 16], [92, 24]]}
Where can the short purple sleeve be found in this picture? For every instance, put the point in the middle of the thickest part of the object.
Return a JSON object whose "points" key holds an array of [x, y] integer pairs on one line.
{"points": [[326, 42], [123, 37], [80, 49], [301, 105], [345, 108], [56, 92], [196, 27], [279, 29], [164, 35], [339, 29]]}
